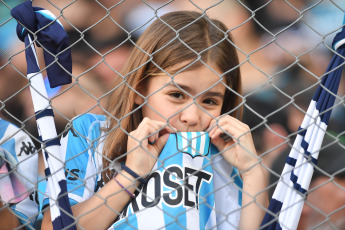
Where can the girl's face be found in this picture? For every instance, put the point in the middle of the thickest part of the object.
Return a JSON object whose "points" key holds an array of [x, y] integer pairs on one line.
{"points": [[189, 108]]}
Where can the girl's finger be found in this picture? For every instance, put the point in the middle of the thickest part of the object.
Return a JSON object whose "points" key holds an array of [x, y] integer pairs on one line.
{"points": [[160, 143], [231, 127], [153, 138], [165, 126], [211, 125], [146, 128], [217, 132], [152, 130]]}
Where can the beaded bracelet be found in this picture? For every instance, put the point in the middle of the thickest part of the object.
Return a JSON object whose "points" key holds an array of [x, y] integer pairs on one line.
{"points": [[131, 194], [133, 174]]}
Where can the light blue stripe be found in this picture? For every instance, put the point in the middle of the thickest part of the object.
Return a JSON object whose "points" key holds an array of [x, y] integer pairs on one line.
{"points": [[198, 143], [49, 17], [50, 91], [94, 138], [46, 15], [22, 31], [206, 194], [179, 212], [189, 141], [79, 162], [179, 141], [238, 182], [207, 143], [3, 127], [10, 146], [23, 219]]}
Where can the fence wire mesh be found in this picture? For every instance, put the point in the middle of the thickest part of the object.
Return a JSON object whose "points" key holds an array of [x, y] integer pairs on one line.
{"points": [[284, 48]]}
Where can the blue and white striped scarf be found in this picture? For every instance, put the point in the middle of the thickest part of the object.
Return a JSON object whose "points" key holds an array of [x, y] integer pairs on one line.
{"points": [[287, 201], [41, 26]]}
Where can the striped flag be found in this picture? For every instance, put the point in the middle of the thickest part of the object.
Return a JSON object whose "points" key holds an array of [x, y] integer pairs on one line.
{"points": [[287, 201], [33, 22]]}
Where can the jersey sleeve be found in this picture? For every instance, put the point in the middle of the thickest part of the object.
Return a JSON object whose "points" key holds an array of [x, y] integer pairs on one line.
{"points": [[77, 150]]}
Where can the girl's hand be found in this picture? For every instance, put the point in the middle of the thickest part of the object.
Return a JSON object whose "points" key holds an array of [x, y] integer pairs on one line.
{"points": [[238, 151], [145, 144]]}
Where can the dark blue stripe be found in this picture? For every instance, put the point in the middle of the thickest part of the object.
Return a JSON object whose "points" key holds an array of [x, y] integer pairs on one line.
{"points": [[301, 131], [290, 161], [302, 190], [270, 221], [47, 172], [46, 155], [304, 145], [66, 219], [299, 188], [309, 157], [314, 161], [336, 75], [44, 113], [51, 142], [325, 96], [330, 81], [293, 177], [296, 186], [338, 37]]}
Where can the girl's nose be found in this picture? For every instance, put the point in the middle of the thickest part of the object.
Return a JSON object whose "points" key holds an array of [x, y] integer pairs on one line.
{"points": [[191, 114]]}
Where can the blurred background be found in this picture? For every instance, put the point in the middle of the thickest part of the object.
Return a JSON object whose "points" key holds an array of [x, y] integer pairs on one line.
{"points": [[284, 49]]}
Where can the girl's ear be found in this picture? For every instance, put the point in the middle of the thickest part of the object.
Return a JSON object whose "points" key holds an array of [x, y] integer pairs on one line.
{"points": [[139, 99]]}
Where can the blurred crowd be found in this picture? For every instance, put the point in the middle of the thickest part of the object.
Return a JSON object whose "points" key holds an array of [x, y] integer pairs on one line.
{"points": [[284, 49]]}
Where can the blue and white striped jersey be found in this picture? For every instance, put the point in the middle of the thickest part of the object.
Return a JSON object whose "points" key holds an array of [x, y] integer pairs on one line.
{"points": [[191, 185], [20, 146]]}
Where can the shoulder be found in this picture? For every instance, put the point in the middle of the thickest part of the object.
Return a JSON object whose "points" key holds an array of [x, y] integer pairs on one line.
{"points": [[88, 119], [87, 123]]}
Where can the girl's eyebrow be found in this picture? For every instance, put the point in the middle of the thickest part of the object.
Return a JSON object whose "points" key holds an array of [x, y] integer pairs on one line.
{"points": [[191, 91]]}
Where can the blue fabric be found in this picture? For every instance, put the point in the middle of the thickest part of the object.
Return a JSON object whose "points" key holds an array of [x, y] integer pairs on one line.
{"points": [[51, 36]]}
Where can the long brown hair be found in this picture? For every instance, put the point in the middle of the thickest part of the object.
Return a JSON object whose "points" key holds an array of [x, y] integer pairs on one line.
{"points": [[174, 38]]}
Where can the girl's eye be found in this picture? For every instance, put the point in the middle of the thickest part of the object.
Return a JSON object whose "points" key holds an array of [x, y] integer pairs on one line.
{"points": [[177, 95], [210, 102]]}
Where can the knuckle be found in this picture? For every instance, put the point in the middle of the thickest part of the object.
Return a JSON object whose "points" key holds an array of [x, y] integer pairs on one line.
{"points": [[131, 134], [246, 127], [146, 120]]}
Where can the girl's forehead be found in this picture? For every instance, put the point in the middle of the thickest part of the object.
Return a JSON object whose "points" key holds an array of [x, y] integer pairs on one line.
{"points": [[197, 80]]}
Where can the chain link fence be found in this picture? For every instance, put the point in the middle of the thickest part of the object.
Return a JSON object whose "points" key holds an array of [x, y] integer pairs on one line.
{"points": [[284, 48]]}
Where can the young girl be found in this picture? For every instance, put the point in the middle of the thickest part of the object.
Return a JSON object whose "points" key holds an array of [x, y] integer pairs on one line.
{"points": [[182, 76]]}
